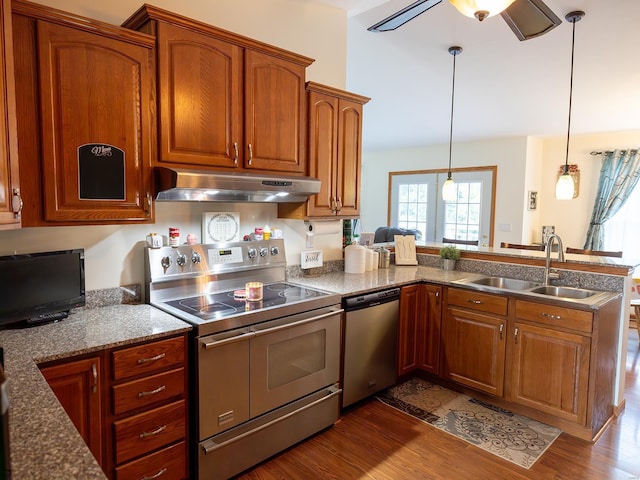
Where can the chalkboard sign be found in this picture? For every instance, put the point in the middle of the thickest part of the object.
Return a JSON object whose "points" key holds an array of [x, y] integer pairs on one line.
{"points": [[101, 172]]}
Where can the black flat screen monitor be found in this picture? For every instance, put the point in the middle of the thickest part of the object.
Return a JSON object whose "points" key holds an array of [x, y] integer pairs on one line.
{"points": [[36, 285]]}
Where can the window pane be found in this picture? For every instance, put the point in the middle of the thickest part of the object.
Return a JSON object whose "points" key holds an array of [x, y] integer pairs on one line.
{"points": [[422, 193], [402, 211], [475, 192], [413, 193], [403, 193]]}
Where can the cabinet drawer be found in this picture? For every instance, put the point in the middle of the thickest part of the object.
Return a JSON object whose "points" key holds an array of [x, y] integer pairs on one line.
{"points": [[482, 302], [150, 430], [555, 316], [167, 464], [147, 358], [148, 390]]}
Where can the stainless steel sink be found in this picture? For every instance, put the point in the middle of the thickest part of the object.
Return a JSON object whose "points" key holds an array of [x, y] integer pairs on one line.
{"points": [[564, 292], [505, 283]]}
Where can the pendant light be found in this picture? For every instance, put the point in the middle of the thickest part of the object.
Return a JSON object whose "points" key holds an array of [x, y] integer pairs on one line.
{"points": [[481, 9], [565, 187], [449, 187]]}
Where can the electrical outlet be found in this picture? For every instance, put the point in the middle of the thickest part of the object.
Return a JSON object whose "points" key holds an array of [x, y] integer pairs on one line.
{"points": [[311, 259]]}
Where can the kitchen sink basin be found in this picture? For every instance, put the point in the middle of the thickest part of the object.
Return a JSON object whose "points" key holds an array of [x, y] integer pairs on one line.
{"points": [[505, 283], [564, 292]]}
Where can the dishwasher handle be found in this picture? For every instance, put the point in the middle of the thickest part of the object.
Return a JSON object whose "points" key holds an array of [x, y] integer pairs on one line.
{"points": [[370, 299]]}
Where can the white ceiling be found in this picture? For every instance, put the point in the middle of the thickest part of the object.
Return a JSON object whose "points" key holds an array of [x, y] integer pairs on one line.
{"points": [[504, 87]]}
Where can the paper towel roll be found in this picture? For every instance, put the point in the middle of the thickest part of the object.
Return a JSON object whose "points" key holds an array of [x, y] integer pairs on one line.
{"points": [[324, 228]]}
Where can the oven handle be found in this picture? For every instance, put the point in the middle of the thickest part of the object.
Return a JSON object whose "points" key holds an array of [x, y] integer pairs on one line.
{"points": [[298, 323], [207, 449], [227, 341]]}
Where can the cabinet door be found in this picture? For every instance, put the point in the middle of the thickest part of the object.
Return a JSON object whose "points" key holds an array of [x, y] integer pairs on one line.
{"points": [[429, 329], [9, 181], [562, 390], [347, 186], [96, 117], [77, 386], [474, 350], [323, 151], [411, 309], [200, 80], [275, 114]]}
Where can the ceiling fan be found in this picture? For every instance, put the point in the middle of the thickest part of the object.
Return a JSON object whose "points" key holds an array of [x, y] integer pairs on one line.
{"points": [[527, 18]]}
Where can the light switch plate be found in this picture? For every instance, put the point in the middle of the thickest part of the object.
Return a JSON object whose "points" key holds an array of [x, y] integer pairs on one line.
{"points": [[311, 259]]}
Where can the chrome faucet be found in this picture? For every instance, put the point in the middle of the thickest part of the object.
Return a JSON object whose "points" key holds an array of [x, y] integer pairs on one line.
{"points": [[548, 275]]}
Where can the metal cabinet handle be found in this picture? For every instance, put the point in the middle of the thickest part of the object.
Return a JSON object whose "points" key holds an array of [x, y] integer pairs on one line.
{"points": [[147, 211], [152, 392], [151, 359], [475, 302], [94, 372], [157, 475], [153, 432], [250, 154], [16, 203], [332, 204], [338, 205], [235, 150], [501, 330], [549, 315], [515, 335]]}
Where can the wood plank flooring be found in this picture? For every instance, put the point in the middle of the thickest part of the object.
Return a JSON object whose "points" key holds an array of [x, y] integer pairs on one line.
{"points": [[373, 441]]}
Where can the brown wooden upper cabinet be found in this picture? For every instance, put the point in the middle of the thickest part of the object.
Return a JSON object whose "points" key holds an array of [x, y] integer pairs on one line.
{"points": [[85, 101], [335, 154], [225, 101], [10, 199]]}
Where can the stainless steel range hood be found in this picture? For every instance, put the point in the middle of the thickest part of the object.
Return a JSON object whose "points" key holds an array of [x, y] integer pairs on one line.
{"points": [[176, 184]]}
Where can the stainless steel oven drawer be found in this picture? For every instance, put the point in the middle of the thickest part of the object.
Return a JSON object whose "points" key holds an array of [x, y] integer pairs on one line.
{"points": [[236, 450]]}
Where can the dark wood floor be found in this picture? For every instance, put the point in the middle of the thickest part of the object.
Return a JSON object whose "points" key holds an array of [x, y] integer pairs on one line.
{"points": [[374, 441]]}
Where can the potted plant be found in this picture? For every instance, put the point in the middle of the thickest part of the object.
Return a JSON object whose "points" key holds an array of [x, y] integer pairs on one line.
{"points": [[450, 254]]}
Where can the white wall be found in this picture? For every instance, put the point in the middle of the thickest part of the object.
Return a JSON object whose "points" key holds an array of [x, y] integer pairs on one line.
{"points": [[509, 154], [113, 254]]}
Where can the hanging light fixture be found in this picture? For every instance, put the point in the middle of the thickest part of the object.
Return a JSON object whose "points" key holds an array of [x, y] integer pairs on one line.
{"points": [[481, 9], [449, 187], [565, 186]]}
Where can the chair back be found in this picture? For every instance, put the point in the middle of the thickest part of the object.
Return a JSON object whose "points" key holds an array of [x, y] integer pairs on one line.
{"points": [[600, 253], [520, 246], [460, 242]]}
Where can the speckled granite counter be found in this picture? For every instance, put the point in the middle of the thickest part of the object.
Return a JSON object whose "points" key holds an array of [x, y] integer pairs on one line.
{"points": [[394, 276], [44, 442]]}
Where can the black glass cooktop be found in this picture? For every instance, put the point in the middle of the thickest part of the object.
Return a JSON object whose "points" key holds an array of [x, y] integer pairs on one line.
{"points": [[224, 304]]}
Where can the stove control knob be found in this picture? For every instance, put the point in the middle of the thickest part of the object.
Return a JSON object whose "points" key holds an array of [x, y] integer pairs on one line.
{"points": [[195, 258], [252, 252], [275, 251], [165, 262], [263, 252], [181, 260]]}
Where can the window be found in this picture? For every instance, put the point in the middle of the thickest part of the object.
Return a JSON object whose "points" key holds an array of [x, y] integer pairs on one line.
{"points": [[416, 203], [622, 231]]}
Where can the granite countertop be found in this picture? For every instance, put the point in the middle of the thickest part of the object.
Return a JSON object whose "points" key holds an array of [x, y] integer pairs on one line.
{"points": [[44, 443], [356, 283]]}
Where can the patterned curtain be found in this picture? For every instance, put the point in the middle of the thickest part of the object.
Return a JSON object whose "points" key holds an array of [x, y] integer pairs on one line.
{"points": [[618, 177]]}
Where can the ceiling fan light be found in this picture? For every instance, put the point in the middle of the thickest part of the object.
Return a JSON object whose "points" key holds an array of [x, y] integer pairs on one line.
{"points": [[565, 187], [449, 190], [480, 9]]}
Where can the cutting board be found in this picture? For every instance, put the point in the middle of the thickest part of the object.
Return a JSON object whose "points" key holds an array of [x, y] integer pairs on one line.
{"points": [[405, 249]]}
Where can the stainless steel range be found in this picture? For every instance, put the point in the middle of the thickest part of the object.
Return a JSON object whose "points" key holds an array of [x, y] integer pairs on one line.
{"points": [[264, 373]]}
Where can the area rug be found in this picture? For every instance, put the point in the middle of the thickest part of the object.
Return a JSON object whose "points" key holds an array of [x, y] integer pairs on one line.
{"points": [[512, 437]]}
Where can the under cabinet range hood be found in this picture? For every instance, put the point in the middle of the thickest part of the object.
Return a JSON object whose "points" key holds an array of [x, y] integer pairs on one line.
{"points": [[177, 184]]}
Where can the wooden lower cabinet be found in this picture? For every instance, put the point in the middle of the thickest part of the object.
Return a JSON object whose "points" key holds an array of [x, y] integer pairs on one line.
{"points": [[473, 342], [77, 384], [130, 407], [419, 329]]}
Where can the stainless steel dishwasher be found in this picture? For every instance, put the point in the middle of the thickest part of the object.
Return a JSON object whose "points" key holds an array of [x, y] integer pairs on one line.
{"points": [[370, 343]]}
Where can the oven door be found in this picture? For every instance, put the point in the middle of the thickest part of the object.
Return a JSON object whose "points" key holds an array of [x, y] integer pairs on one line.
{"points": [[293, 357]]}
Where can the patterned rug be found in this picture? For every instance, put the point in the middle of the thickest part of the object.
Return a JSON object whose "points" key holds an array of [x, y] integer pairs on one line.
{"points": [[513, 437]]}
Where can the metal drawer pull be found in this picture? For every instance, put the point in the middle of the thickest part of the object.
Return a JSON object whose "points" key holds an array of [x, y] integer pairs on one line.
{"points": [[227, 341], [157, 475], [94, 372], [250, 155], [235, 151], [476, 302], [152, 433], [298, 323], [515, 335], [151, 359], [501, 330], [152, 392], [548, 315]]}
